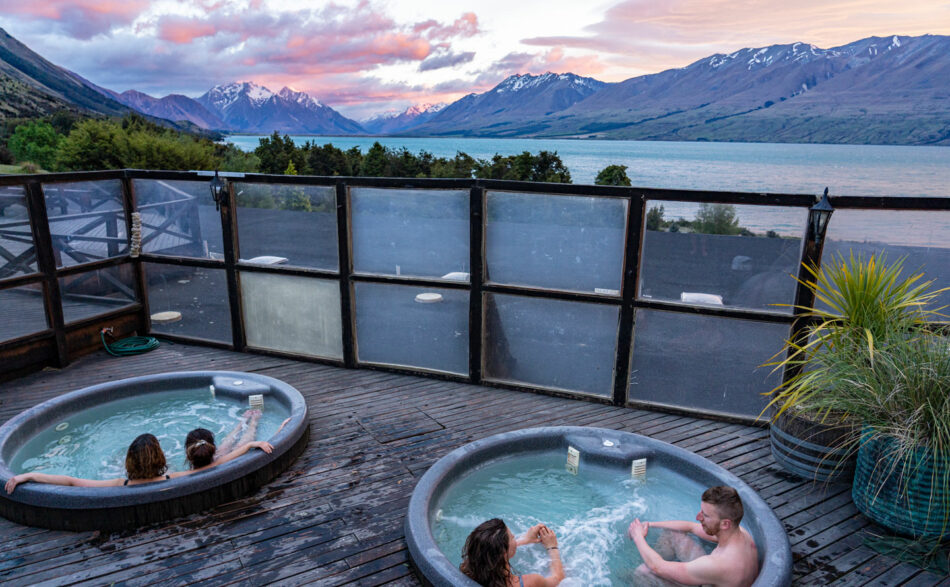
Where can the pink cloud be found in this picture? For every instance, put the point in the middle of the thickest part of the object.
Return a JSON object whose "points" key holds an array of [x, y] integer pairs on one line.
{"points": [[463, 27], [184, 31], [643, 36], [82, 19]]}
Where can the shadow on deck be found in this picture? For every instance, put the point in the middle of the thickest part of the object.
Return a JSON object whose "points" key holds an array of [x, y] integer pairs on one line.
{"points": [[336, 516]]}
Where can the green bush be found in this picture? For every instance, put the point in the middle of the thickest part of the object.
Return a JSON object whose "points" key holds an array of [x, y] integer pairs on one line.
{"points": [[36, 142], [613, 175]]}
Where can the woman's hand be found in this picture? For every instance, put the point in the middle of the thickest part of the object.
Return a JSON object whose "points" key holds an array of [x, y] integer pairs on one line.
{"points": [[263, 445], [547, 537], [16, 480], [531, 536]]}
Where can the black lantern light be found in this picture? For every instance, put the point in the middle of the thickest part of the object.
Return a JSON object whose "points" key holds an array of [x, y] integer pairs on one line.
{"points": [[818, 217], [217, 190]]}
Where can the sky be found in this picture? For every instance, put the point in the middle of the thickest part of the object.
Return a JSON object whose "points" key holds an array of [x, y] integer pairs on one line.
{"points": [[364, 57]]}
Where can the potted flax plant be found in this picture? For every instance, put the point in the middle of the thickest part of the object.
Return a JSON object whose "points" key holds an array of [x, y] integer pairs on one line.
{"points": [[868, 318]]}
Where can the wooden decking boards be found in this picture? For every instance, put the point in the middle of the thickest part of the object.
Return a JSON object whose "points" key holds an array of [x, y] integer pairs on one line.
{"points": [[336, 516]]}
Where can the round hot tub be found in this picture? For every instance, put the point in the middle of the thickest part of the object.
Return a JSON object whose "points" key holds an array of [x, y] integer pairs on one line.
{"points": [[588, 498], [121, 411]]}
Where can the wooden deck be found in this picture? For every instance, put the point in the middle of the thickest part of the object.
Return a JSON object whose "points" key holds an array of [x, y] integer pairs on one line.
{"points": [[336, 517]]}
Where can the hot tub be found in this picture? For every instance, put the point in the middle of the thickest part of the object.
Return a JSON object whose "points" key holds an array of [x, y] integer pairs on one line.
{"points": [[604, 452], [109, 508]]}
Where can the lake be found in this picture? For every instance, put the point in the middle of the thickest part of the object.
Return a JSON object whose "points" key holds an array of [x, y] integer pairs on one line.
{"points": [[854, 170]]}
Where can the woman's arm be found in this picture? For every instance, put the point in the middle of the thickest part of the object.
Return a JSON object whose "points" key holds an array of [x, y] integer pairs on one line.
{"points": [[556, 575], [264, 446], [59, 480]]}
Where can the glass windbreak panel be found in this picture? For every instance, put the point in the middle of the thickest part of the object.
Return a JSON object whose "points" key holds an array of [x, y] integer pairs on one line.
{"points": [[189, 301], [97, 292], [292, 314], [721, 254], [179, 219], [704, 362], [412, 326], [287, 224], [921, 238], [557, 242], [17, 252], [86, 221], [422, 233], [551, 343], [22, 311]]}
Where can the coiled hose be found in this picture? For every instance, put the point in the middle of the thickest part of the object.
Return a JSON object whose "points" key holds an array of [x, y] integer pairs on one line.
{"points": [[133, 345]]}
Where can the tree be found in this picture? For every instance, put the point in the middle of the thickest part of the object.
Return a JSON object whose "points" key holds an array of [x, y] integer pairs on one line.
{"points": [[613, 175], [276, 152], [94, 144], [291, 170], [654, 216], [376, 162], [37, 142], [717, 219]]}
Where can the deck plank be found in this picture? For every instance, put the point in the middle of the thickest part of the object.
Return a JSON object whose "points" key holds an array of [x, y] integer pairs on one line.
{"points": [[335, 517]]}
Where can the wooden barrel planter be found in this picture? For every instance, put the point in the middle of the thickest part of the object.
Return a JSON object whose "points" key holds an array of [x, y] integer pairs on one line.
{"points": [[813, 450], [910, 496]]}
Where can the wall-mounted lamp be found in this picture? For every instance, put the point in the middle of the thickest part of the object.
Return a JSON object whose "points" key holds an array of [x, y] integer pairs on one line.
{"points": [[218, 187], [818, 217]]}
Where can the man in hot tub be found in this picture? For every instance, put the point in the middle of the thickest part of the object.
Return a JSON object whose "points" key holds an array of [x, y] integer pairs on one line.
{"points": [[733, 563]]}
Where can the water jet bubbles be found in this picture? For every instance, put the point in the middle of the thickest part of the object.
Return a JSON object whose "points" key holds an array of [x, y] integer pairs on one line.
{"points": [[62, 426], [65, 439]]}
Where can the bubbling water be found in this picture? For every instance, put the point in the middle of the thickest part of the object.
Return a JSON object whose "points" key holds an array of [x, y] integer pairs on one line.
{"points": [[94, 442], [590, 513]]}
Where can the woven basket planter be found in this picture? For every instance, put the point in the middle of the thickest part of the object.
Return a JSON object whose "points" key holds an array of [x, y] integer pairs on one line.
{"points": [[813, 450], [909, 496]]}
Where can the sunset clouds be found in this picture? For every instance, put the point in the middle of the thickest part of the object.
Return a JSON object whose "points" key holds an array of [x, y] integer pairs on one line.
{"points": [[363, 56]]}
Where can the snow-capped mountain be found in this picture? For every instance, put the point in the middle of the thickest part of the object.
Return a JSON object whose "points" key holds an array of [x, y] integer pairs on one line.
{"points": [[172, 107], [394, 122], [514, 101], [889, 90], [249, 107]]}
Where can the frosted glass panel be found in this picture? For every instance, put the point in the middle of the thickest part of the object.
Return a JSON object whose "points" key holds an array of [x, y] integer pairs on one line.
{"points": [[287, 224], [557, 242], [704, 362], [412, 326], [923, 238], [86, 221], [423, 233], [292, 314], [179, 219], [17, 254], [551, 343], [721, 254], [21, 311], [199, 296], [97, 292]]}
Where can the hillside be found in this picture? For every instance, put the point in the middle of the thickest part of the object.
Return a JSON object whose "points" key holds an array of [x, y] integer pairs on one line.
{"points": [[893, 90]]}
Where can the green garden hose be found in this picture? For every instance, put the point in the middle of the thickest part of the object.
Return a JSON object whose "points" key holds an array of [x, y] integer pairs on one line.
{"points": [[132, 345]]}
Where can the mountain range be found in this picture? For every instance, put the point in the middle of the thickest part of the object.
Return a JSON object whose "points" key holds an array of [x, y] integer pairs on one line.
{"points": [[883, 90]]}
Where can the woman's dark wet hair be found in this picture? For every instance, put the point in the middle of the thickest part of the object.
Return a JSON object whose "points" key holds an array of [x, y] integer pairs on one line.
{"points": [[199, 448], [145, 459], [485, 554]]}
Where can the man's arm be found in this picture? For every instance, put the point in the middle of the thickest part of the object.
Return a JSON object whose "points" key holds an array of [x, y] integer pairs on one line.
{"points": [[697, 572], [682, 526]]}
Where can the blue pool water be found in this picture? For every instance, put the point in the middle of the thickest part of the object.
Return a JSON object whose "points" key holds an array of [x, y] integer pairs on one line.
{"points": [[590, 513], [92, 444]]}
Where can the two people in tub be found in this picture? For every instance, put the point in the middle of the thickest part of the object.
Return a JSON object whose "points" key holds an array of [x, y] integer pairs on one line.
{"points": [[734, 562], [145, 460]]}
